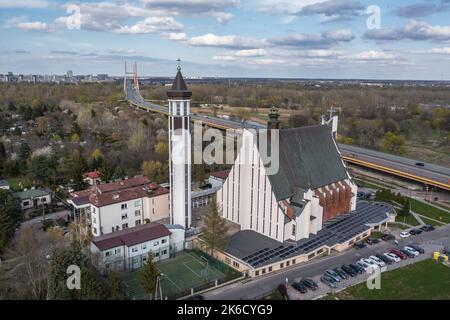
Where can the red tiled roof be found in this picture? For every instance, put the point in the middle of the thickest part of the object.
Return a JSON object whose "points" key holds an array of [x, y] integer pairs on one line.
{"points": [[110, 193], [131, 236], [123, 184], [220, 174], [103, 199], [93, 174], [158, 192]]}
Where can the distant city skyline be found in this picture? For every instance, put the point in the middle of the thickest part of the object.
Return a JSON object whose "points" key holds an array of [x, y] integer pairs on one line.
{"points": [[335, 39]]}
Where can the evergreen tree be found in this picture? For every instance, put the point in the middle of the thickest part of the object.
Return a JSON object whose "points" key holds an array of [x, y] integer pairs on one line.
{"points": [[24, 154], [91, 287], [148, 276], [41, 169], [406, 208], [215, 229], [10, 217], [116, 287]]}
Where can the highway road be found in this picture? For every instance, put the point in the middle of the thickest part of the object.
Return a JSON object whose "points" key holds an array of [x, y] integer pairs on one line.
{"points": [[428, 170], [254, 288], [134, 97]]}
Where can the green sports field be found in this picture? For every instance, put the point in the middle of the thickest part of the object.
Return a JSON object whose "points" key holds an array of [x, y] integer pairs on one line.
{"points": [[180, 274]]}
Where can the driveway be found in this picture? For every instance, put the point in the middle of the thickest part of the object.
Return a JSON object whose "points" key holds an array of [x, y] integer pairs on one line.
{"points": [[256, 287], [53, 216]]}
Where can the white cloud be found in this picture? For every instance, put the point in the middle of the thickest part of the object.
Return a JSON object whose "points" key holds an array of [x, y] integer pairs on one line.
{"points": [[104, 16], [440, 50], [228, 41], [176, 36], [251, 53], [213, 8], [372, 55], [221, 17], [33, 26], [413, 30], [151, 25], [23, 4], [283, 7]]}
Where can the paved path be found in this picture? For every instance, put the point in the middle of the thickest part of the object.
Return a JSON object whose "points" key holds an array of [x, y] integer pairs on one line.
{"points": [[255, 288]]}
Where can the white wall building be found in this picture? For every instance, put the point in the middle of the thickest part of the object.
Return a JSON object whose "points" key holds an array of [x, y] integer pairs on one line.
{"points": [[129, 249], [34, 198], [120, 205]]}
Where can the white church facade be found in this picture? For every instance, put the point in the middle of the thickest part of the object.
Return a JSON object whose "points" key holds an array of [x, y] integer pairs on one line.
{"points": [[311, 186]]}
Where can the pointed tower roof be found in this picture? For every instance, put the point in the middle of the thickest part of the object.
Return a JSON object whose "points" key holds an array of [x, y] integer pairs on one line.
{"points": [[179, 88]]}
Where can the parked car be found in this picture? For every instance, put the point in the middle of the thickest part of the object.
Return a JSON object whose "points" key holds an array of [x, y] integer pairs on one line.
{"points": [[300, 287], [349, 270], [357, 268], [411, 250], [404, 234], [427, 228], [399, 254], [333, 275], [342, 274], [408, 253], [362, 265], [328, 281], [372, 240], [385, 259], [378, 261], [415, 232], [369, 262], [359, 245], [310, 284], [387, 237], [416, 247], [392, 256]]}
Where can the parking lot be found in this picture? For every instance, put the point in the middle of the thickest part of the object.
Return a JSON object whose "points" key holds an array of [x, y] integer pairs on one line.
{"points": [[366, 252]]}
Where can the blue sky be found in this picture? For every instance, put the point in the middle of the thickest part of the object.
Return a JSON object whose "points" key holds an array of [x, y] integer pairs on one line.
{"points": [[242, 38]]}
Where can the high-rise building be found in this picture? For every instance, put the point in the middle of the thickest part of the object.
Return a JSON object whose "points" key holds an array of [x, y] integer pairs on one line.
{"points": [[180, 151]]}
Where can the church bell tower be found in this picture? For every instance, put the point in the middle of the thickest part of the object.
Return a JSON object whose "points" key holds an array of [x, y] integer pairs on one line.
{"points": [[179, 98]]}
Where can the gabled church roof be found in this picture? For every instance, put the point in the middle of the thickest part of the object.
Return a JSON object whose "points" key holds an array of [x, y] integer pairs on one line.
{"points": [[308, 159]]}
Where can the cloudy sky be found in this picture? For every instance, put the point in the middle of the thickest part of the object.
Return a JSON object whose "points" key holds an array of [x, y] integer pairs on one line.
{"points": [[243, 38]]}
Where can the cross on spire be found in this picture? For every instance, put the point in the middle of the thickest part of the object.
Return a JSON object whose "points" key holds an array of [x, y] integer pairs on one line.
{"points": [[179, 62], [331, 111]]}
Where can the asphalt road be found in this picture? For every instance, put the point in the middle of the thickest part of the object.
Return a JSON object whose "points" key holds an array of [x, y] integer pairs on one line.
{"points": [[430, 171], [255, 288]]}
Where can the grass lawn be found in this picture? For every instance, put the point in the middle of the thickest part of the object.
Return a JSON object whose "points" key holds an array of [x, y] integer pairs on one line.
{"points": [[397, 225], [423, 280], [431, 222], [14, 185], [376, 234], [429, 211], [409, 219]]}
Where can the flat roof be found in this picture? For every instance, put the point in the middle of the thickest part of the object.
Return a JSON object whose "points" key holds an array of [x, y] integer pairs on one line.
{"points": [[259, 250]]}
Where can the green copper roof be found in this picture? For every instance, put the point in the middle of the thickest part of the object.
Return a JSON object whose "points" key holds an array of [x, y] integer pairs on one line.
{"points": [[309, 159]]}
